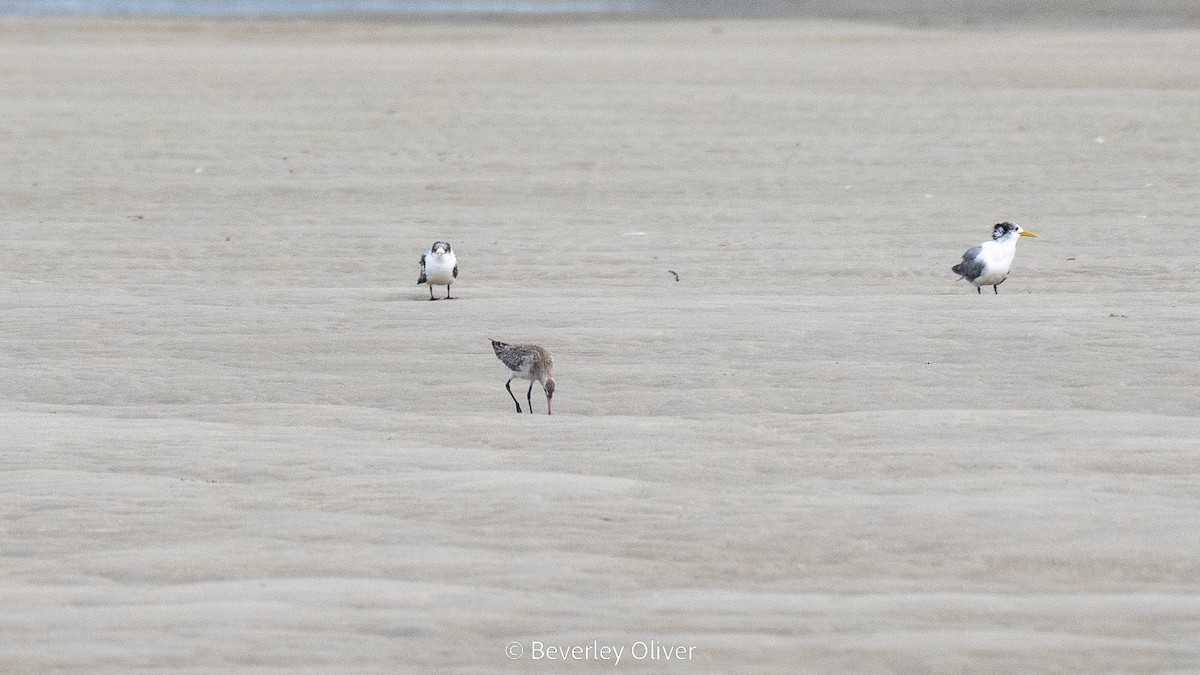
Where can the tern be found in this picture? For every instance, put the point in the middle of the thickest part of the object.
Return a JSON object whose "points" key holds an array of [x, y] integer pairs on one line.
{"points": [[439, 267], [988, 263]]}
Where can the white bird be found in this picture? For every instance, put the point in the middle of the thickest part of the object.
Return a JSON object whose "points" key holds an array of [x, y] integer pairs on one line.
{"points": [[527, 362], [438, 267], [988, 263]]}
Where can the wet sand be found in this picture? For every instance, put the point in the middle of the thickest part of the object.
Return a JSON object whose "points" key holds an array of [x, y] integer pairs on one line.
{"points": [[238, 437]]}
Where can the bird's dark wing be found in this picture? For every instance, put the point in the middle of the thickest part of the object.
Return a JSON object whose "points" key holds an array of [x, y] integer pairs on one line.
{"points": [[508, 354], [971, 267], [455, 270], [422, 279]]}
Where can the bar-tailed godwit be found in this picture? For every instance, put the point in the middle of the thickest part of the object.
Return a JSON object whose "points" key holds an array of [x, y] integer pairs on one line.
{"points": [[527, 362]]}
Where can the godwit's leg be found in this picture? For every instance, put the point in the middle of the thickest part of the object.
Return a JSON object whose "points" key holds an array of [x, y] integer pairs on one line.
{"points": [[529, 397], [514, 398]]}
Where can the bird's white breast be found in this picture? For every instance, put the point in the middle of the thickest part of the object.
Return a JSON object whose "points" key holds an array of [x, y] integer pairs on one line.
{"points": [[439, 270], [997, 258]]}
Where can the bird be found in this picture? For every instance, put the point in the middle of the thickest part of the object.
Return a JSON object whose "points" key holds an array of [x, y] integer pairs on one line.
{"points": [[439, 267], [988, 263], [527, 362]]}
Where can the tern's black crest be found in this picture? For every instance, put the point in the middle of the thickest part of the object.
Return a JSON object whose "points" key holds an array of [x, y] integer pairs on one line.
{"points": [[445, 247], [1001, 230]]}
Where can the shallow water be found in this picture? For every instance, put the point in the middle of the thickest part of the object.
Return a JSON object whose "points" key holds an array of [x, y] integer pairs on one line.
{"points": [[1121, 14], [251, 8]]}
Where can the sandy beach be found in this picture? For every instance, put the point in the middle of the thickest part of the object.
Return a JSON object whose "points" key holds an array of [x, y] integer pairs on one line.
{"points": [[239, 438]]}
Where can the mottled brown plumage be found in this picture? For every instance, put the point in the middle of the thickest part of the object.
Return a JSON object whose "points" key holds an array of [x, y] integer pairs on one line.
{"points": [[527, 362]]}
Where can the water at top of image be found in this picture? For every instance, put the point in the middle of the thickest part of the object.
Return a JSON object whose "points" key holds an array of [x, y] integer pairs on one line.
{"points": [[265, 8]]}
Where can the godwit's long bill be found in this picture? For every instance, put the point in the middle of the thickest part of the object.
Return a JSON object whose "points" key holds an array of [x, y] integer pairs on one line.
{"points": [[527, 362], [988, 263]]}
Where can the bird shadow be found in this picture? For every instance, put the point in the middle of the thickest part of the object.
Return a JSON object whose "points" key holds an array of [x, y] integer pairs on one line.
{"points": [[402, 297]]}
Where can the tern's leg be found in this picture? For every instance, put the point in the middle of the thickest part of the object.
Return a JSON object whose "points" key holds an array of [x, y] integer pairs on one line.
{"points": [[996, 289], [431, 292], [979, 290], [448, 292], [514, 398], [529, 397]]}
